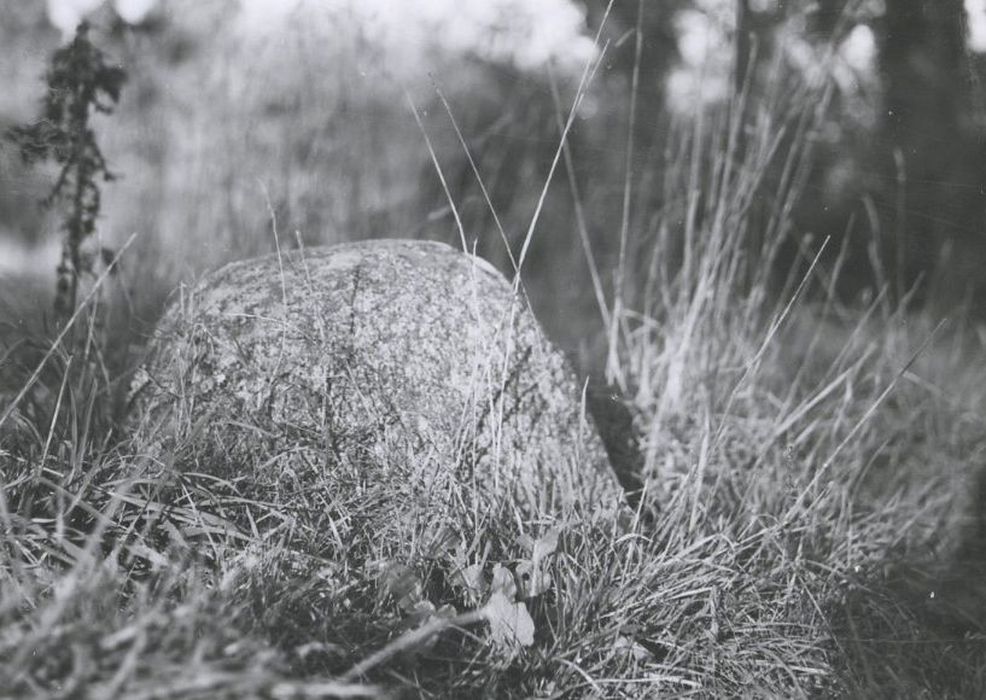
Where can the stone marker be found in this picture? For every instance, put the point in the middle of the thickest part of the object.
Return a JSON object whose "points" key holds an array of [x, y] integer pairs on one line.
{"points": [[401, 360]]}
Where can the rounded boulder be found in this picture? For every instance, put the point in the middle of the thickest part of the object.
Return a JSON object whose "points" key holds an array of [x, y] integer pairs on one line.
{"points": [[396, 360]]}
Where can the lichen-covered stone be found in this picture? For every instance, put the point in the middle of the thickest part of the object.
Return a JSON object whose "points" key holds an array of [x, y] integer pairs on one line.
{"points": [[391, 359]]}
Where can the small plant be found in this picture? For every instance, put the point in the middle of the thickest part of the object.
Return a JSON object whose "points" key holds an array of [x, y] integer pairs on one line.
{"points": [[79, 81]]}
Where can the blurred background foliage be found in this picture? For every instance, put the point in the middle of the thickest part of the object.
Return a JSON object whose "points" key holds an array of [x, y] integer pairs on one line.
{"points": [[234, 109]]}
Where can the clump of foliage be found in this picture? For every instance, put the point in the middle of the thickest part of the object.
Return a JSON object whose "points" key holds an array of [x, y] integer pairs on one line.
{"points": [[80, 81]]}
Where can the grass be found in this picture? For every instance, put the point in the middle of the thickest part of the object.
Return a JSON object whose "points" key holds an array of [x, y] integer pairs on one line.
{"points": [[811, 524]]}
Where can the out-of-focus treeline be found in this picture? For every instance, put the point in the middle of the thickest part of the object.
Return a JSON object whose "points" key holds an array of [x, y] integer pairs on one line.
{"points": [[900, 158], [234, 109]]}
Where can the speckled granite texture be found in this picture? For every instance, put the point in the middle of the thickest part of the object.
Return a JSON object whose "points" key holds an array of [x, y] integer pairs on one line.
{"points": [[405, 360]]}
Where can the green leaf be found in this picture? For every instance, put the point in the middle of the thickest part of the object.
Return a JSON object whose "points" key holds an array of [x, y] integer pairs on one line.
{"points": [[511, 625], [470, 579]]}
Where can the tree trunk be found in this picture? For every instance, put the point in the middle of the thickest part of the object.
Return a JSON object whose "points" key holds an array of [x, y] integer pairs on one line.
{"points": [[933, 162]]}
